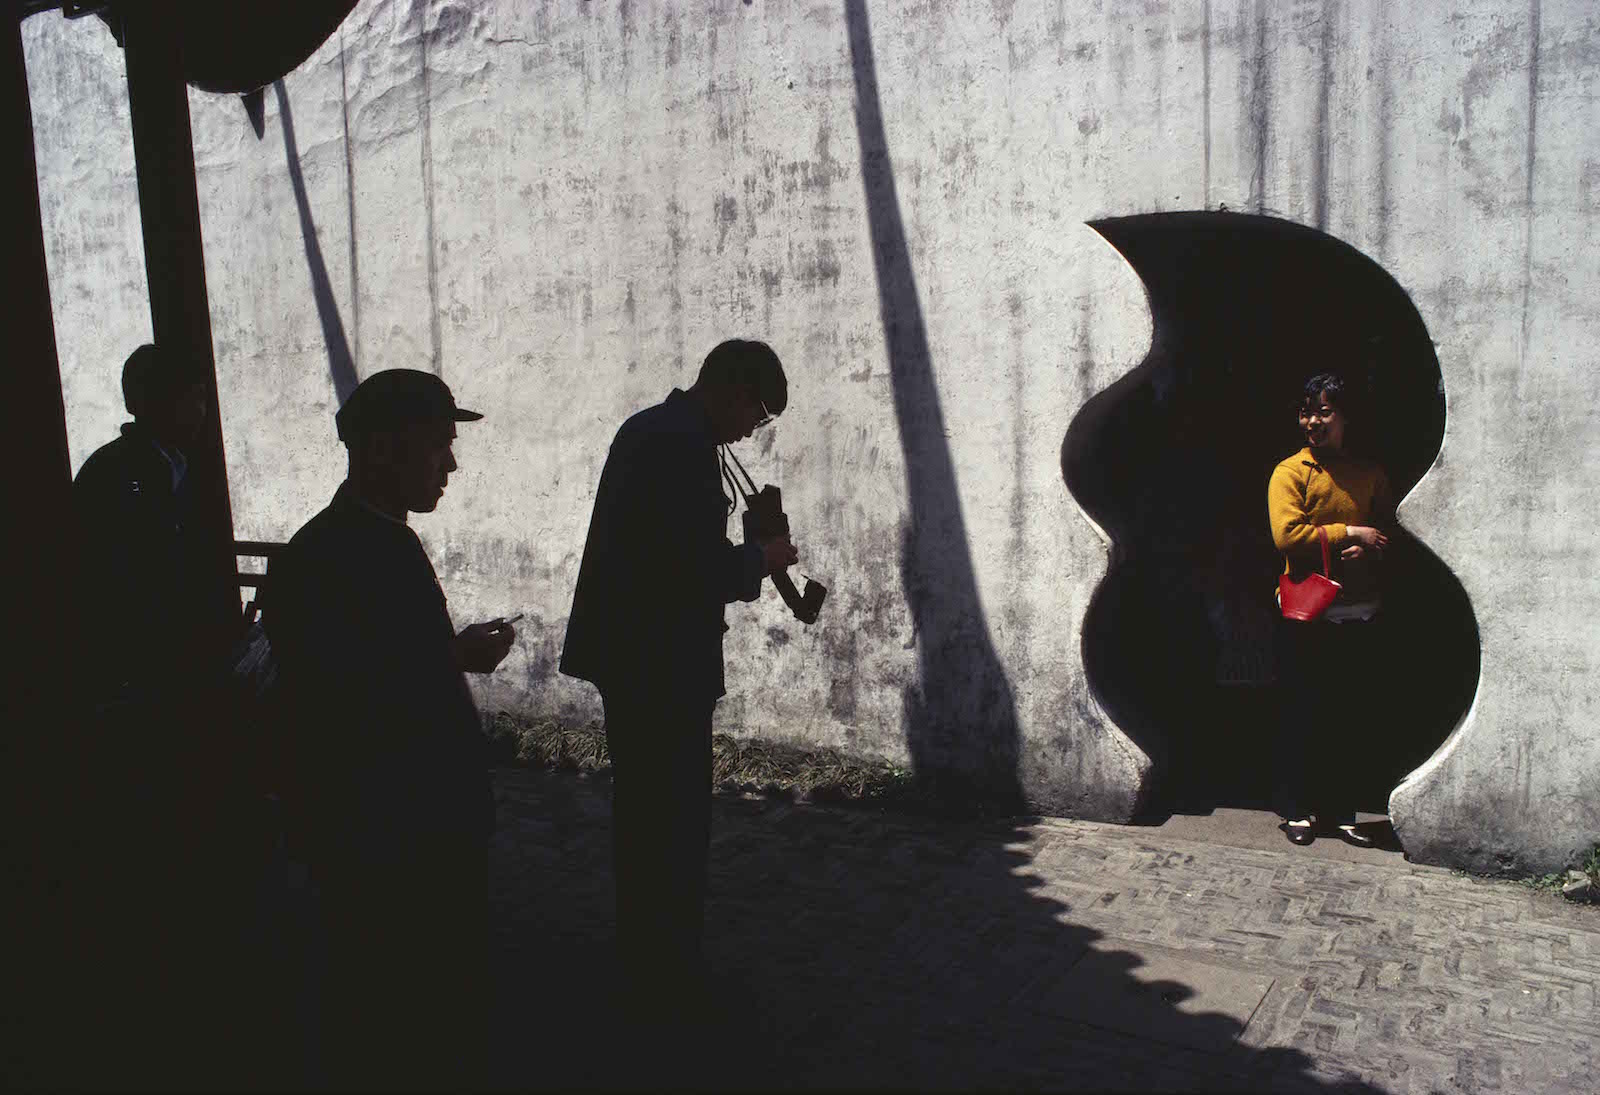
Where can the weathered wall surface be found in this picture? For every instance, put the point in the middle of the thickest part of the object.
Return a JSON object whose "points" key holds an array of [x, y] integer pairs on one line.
{"points": [[561, 208]]}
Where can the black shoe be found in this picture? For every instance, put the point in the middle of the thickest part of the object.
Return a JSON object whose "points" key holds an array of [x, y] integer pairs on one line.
{"points": [[1352, 834], [1298, 831]]}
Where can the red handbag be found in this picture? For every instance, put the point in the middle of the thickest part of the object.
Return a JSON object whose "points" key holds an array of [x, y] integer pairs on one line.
{"points": [[1310, 596]]}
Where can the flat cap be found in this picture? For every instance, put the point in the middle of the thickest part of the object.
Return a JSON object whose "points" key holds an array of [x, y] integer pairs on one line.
{"points": [[395, 398]]}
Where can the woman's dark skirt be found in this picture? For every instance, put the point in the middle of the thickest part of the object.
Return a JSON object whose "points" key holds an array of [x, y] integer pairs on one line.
{"points": [[1332, 690]]}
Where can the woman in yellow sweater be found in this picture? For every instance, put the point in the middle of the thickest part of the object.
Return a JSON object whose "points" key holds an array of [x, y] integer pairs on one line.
{"points": [[1325, 661]]}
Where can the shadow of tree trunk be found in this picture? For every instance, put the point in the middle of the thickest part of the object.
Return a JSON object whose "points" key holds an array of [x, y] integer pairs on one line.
{"points": [[341, 365], [961, 720]]}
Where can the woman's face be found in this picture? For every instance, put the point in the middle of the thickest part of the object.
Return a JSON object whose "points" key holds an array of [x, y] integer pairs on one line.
{"points": [[1322, 423]]}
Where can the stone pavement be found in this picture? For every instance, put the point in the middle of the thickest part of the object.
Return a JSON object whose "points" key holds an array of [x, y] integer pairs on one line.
{"points": [[859, 949]]}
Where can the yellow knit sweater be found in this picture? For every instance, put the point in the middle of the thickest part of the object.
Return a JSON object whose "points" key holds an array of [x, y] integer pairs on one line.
{"points": [[1335, 492]]}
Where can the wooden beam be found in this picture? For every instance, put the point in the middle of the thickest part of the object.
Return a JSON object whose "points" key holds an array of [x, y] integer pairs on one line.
{"points": [[45, 621], [169, 208]]}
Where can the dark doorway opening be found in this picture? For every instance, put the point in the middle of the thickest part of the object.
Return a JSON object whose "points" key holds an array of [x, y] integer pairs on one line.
{"points": [[1173, 461]]}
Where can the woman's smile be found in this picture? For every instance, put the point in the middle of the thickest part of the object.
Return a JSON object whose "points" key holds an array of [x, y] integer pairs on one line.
{"points": [[1323, 425]]}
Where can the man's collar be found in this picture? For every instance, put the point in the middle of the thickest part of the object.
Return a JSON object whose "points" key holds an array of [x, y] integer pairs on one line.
{"points": [[347, 496], [695, 410], [171, 453], [138, 431]]}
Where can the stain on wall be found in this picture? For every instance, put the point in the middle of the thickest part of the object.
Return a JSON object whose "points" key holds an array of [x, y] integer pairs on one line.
{"points": [[1326, 43], [1529, 164], [1259, 101], [425, 132]]}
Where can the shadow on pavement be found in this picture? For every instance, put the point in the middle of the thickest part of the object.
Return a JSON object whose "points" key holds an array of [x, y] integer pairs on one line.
{"points": [[851, 948]]}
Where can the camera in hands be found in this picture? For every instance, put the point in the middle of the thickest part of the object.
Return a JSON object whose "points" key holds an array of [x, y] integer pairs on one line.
{"points": [[764, 519]]}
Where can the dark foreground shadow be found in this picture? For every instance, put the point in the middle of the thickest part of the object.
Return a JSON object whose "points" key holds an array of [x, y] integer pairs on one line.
{"points": [[852, 949]]}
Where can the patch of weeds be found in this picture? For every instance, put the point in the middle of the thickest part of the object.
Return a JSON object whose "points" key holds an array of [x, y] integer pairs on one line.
{"points": [[545, 743], [752, 766], [1569, 883], [1549, 883]]}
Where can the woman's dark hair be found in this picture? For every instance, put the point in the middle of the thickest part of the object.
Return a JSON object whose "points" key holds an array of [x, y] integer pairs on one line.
{"points": [[1354, 401], [1325, 386]]}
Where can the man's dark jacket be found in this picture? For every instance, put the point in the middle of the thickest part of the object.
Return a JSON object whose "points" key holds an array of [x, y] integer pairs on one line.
{"points": [[384, 745], [658, 566], [138, 545]]}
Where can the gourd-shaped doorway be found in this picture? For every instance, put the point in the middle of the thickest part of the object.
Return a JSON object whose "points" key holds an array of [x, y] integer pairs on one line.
{"points": [[1172, 461]]}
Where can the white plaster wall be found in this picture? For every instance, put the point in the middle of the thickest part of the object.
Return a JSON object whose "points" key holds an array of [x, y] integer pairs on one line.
{"points": [[562, 207]]}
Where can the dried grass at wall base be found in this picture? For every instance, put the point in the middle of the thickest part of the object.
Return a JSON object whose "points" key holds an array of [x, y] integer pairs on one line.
{"points": [[744, 765]]}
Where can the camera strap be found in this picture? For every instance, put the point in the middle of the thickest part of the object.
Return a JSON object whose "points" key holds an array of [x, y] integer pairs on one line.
{"points": [[731, 497], [726, 454]]}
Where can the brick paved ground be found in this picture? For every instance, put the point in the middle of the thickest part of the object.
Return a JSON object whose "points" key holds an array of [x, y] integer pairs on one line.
{"points": [[858, 949]]}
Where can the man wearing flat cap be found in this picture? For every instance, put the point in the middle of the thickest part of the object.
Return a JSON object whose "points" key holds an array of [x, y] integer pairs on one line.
{"points": [[386, 775]]}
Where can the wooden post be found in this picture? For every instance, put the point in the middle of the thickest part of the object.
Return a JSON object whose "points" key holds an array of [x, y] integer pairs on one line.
{"points": [[42, 610], [169, 208], [39, 479]]}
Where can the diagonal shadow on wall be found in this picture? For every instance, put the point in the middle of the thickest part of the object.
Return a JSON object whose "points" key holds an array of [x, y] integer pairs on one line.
{"points": [[961, 719], [341, 365]]}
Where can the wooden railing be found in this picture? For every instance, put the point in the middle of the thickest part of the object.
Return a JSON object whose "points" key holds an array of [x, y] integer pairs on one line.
{"points": [[254, 549]]}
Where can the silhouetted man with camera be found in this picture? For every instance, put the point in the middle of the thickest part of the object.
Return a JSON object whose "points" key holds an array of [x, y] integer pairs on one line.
{"points": [[387, 783], [646, 628]]}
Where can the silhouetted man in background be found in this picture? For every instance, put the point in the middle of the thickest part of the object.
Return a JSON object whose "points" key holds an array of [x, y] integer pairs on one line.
{"points": [[387, 785], [646, 628], [161, 792], [132, 499]]}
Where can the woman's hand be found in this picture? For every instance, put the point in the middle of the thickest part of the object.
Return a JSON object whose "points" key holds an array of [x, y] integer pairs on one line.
{"points": [[1366, 539]]}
